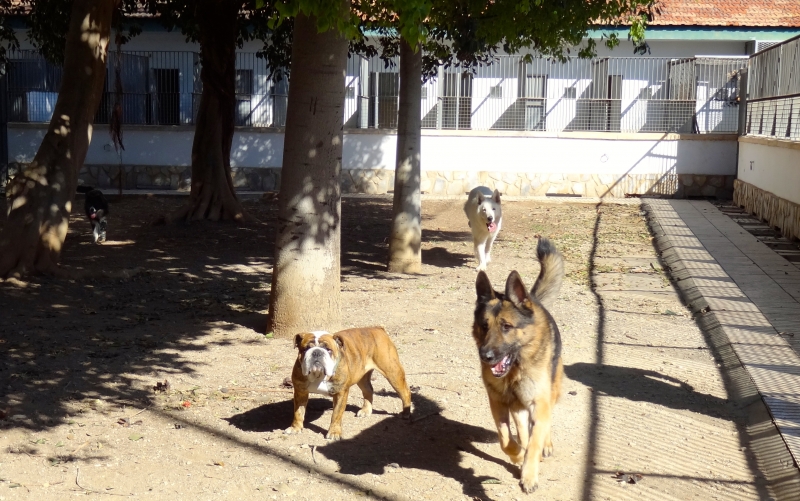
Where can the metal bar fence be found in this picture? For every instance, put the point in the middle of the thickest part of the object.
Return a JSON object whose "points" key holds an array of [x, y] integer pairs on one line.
{"points": [[773, 101], [645, 94]]}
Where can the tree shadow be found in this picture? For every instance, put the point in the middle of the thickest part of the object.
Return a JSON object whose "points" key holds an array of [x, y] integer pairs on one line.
{"points": [[69, 343], [366, 224], [442, 257]]}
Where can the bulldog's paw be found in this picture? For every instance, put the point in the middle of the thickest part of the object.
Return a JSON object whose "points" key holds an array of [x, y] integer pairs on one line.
{"points": [[292, 430], [481, 267]]}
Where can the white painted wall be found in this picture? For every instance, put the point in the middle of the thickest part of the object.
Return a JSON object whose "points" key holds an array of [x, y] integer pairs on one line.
{"points": [[512, 152], [772, 167], [156, 147], [579, 155], [678, 48]]}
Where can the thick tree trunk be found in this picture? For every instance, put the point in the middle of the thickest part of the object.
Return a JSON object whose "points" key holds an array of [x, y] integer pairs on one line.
{"points": [[40, 197], [213, 196], [406, 235], [305, 280]]}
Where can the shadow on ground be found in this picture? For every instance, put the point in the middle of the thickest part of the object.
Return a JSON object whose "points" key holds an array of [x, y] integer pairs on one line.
{"points": [[431, 443], [69, 342]]}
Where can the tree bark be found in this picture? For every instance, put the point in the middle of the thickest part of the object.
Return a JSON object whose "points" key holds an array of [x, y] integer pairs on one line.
{"points": [[405, 240], [306, 275], [40, 198], [213, 196]]}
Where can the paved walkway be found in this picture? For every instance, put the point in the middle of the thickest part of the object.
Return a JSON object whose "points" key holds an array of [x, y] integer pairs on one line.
{"points": [[753, 292]]}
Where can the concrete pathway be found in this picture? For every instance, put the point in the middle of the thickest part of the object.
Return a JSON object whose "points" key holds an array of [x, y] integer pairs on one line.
{"points": [[752, 292]]}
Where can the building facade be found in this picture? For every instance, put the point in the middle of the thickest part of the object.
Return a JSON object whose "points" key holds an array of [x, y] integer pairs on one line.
{"points": [[663, 123]]}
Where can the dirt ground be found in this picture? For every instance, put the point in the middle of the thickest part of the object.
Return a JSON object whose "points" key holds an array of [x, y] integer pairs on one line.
{"points": [[83, 362]]}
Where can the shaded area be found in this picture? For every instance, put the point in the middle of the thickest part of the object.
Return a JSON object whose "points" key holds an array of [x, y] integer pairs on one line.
{"points": [[71, 341], [435, 444], [642, 385], [149, 293]]}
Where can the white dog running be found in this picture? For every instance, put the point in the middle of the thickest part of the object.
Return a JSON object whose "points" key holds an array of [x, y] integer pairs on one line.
{"points": [[485, 216]]}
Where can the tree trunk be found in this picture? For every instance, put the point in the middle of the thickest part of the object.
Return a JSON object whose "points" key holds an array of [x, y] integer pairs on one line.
{"points": [[406, 235], [40, 197], [305, 278], [213, 196]]}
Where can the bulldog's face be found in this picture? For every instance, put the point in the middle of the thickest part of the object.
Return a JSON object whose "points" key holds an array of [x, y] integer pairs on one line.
{"points": [[318, 353]]}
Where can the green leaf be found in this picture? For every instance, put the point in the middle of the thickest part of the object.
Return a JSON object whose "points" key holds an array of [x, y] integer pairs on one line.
{"points": [[134, 437]]}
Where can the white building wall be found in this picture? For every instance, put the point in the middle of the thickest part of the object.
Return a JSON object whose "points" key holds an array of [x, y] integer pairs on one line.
{"points": [[574, 153], [772, 165]]}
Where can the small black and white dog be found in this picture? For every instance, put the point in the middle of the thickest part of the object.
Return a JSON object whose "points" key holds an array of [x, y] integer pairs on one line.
{"points": [[96, 207]]}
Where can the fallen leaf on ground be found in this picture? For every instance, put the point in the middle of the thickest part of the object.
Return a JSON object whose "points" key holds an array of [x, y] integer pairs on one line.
{"points": [[491, 481], [186, 404], [134, 437]]}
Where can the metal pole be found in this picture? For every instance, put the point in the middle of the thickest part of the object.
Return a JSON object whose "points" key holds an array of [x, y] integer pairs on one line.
{"points": [[742, 129]]}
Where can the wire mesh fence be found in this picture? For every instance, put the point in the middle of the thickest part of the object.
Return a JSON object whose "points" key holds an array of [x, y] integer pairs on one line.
{"points": [[645, 94], [642, 94], [158, 88], [773, 101]]}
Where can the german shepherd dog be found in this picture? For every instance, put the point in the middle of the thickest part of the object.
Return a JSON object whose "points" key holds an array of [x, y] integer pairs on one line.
{"points": [[520, 350], [96, 207]]}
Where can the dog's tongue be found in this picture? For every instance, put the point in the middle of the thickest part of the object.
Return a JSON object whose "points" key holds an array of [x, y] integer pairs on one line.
{"points": [[491, 227], [498, 368], [93, 216]]}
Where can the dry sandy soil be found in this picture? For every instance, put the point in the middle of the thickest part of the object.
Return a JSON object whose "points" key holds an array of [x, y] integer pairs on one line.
{"points": [[83, 412]]}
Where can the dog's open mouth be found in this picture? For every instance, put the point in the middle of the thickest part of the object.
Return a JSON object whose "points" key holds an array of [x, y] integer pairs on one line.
{"points": [[502, 367], [491, 226]]}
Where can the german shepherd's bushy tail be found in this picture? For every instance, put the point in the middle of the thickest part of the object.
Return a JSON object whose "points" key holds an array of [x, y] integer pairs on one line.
{"points": [[551, 274]]}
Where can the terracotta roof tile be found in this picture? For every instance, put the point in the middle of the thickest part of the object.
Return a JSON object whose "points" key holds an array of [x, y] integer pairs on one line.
{"points": [[755, 13]]}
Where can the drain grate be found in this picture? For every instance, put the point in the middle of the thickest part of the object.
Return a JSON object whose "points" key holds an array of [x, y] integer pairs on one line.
{"points": [[788, 249]]}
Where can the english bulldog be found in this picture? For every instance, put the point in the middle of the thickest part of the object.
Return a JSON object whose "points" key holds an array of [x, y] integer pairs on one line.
{"points": [[329, 364]]}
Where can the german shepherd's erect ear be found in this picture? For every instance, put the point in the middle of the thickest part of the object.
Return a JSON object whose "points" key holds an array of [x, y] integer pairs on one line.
{"points": [[484, 288], [515, 291]]}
